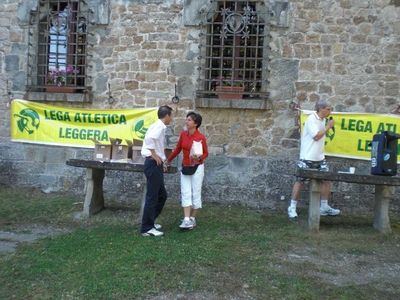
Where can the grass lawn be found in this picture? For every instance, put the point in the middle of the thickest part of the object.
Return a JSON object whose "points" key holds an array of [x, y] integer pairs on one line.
{"points": [[234, 253]]}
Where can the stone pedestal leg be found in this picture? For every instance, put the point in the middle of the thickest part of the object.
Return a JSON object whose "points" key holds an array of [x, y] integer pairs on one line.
{"points": [[143, 197], [94, 200], [313, 209], [381, 209]]}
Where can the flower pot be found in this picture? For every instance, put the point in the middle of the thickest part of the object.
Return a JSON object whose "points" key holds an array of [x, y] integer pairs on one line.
{"points": [[238, 89], [62, 89]]}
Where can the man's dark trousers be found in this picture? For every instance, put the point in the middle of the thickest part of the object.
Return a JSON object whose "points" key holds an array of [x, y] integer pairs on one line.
{"points": [[156, 194]]}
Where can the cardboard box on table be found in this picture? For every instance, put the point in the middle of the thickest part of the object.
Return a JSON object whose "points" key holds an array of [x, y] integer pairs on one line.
{"points": [[102, 150], [136, 152], [168, 151], [121, 150], [137, 149]]}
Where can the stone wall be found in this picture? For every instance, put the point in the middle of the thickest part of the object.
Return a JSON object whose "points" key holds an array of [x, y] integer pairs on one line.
{"points": [[344, 51]]}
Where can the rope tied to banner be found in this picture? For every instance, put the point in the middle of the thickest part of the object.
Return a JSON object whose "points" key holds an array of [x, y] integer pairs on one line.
{"points": [[9, 95], [396, 110]]}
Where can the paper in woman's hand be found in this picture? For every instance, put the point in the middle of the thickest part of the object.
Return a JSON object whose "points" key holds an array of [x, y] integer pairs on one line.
{"points": [[197, 148]]}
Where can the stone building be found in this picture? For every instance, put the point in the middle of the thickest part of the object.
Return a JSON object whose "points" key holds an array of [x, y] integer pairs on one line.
{"points": [[143, 53]]}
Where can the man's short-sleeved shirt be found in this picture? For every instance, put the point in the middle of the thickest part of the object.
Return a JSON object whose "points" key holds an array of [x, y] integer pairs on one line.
{"points": [[309, 148], [155, 139]]}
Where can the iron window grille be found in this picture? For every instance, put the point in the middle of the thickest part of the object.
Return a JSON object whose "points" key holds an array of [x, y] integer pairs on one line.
{"points": [[234, 51], [57, 46]]}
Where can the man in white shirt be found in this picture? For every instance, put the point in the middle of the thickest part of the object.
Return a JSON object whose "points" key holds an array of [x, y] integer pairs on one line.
{"points": [[312, 156], [154, 167]]}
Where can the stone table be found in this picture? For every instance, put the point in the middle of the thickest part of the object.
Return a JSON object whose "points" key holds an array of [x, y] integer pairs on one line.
{"points": [[95, 172]]}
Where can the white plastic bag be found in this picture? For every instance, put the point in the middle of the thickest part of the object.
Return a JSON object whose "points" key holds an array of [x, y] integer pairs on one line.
{"points": [[197, 148]]}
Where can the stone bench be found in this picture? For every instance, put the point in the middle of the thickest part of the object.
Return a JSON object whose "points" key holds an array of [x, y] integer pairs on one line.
{"points": [[383, 192], [95, 172]]}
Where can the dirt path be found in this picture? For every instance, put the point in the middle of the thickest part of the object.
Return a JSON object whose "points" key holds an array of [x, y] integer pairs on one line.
{"points": [[10, 240]]}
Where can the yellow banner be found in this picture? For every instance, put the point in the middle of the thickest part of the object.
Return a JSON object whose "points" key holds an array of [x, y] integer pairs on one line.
{"points": [[354, 133], [53, 125]]}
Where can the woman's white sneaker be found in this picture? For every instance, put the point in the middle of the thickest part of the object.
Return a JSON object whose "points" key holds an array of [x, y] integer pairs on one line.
{"points": [[186, 224]]}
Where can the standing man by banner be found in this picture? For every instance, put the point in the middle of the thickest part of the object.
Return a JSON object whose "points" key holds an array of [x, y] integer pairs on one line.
{"points": [[154, 166], [312, 156]]}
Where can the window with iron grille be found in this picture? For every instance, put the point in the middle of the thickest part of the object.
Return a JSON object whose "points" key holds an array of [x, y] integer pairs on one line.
{"points": [[57, 52], [234, 49]]}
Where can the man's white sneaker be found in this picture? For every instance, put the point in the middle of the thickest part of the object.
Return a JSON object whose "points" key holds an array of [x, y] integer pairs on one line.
{"points": [[157, 226], [153, 232], [186, 224], [292, 212], [329, 211]]}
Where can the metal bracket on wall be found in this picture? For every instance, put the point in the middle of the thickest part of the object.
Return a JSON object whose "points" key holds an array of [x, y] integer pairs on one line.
{"points": [[110, 97], [175, 99]]}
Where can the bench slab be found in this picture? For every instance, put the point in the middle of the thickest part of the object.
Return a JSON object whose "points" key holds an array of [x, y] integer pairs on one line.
{"points": [[383, 192], [351, 178]]}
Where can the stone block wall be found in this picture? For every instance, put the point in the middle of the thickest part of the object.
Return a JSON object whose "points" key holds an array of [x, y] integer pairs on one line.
{"points": [[344, 51]]}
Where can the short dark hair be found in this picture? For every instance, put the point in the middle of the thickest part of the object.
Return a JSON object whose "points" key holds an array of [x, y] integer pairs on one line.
{"points": [[197, 119], [163, 111]]}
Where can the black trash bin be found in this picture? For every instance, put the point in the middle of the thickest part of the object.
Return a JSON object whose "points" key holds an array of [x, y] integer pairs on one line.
{"points": [[384, 153]]}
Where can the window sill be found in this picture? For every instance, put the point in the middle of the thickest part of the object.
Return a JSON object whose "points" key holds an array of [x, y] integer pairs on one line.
{"points": [[246, 103], [59, 97]]}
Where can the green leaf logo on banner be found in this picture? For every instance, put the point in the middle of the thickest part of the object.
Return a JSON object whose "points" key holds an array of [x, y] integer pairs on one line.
{"points": [[28, 120], [140, 126]]}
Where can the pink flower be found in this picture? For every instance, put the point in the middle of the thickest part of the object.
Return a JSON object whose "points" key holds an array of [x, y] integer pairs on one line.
{"points": [[61, 77]]}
